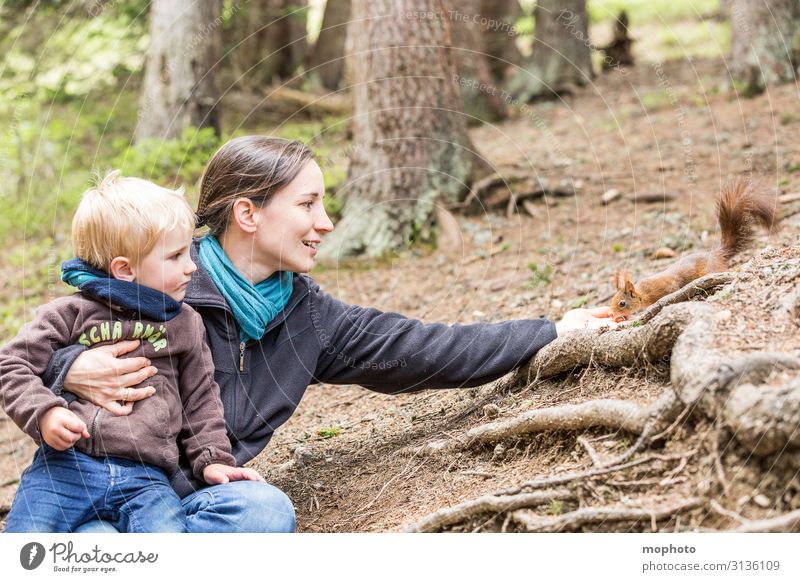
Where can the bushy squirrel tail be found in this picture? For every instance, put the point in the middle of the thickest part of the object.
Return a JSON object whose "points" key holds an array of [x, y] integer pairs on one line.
{"points": [[738, 206]]}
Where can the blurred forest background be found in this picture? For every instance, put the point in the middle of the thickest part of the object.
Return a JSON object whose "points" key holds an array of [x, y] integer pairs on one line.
{"points": [[155, 88]]}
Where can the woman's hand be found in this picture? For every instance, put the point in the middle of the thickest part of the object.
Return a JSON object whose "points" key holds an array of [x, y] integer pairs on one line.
{"points": [[103, 378], [585, 319]]}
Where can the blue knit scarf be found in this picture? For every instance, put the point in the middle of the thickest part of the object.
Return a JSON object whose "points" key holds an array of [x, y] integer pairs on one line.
{"points": [[254, 306], [143, 301]]}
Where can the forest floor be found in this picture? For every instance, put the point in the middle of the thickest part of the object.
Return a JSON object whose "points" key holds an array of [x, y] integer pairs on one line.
{"points": [[349, 458]]}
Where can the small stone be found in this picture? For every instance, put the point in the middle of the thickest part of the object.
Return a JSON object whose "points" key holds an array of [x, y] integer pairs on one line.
{"points": [[302, 456], [563, 162], [663, 253], [653, 196], [610, 195], [491, 411], [499, 453], [723, 315], [762, 500]]}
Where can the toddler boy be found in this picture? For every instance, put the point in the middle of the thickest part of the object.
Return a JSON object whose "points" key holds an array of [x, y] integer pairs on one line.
{"points": [[132, 241]]}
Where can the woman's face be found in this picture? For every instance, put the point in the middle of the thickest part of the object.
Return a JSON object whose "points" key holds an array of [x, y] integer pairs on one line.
{"points": [[292, 223]]}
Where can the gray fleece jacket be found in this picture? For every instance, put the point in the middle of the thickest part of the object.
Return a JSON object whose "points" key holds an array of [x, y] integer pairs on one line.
{"points": [[317, 338]]}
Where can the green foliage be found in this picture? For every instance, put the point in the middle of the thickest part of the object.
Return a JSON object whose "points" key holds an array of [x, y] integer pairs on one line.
{"points": [[617, 247], [699, 39], [329, 432], [656, 100], [540, 276], [51, 58], [173, 162], [556, 507], [651, 11], [579, 302]]}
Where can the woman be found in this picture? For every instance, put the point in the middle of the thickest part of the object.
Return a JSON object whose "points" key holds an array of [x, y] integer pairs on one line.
{"points": [[272, 331]]}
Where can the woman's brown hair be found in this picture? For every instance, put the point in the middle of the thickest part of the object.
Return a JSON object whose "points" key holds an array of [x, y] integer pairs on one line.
{"points": [[253, 167]]}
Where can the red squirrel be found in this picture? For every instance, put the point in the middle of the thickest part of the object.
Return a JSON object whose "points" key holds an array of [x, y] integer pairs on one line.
{"points": [[738, 206]]}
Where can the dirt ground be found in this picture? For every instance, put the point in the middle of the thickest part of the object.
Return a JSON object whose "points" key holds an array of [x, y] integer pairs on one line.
{"points": [[347, 457]]}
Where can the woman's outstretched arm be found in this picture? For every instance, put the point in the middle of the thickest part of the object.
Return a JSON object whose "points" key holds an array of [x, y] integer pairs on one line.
{"points": [[389, 352]]}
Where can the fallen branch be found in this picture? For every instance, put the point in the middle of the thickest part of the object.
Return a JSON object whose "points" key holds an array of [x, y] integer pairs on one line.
{"points": [[332, 103], [447, 516], [581, 475], [590, 450], [585, 516]]}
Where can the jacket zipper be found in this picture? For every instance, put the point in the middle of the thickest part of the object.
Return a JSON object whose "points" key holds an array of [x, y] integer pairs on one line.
{"points": [[94, 430], [227, 309]]}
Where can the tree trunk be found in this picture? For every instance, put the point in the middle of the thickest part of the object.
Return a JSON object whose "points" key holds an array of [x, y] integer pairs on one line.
{"points": [[268, 40], [561, 51], [500, 35], [326, 64], [410, 144], [764, 42], [179, 81], [482, 99]]}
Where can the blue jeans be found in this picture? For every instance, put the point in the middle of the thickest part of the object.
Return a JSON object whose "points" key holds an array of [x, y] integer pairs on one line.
{"points": [[63, 490], [239, 506], [236, 507]]}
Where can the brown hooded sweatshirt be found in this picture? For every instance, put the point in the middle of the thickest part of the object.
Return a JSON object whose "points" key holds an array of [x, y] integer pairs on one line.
{"points": [[186, 406]]}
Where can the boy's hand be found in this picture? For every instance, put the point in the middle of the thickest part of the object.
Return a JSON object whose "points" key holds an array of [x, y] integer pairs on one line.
{"points": [[61, 428], [216, 474]]}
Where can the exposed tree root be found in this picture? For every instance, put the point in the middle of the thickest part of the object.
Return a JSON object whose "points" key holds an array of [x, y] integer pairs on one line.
{"points": [[701, 286], [755, 395], [789, 522], [576, 519], [620, 348], [521, 496], [763, 418], [613, 414], [486, 504]]}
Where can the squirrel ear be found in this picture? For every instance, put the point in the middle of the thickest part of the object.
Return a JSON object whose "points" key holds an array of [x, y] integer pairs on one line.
{"points": [[618, 281], [628, 284]]}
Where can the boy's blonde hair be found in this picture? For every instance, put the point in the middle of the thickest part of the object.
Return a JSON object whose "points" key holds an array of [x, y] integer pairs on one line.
{"points": [[125, 217]]}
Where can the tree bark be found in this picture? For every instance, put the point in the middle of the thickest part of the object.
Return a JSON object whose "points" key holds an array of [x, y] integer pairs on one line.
{"points": [[482, 99], [500, 36], [410, 144], [326, 63], [561, 51], [268, 40], [179, 81], [765, 35]]}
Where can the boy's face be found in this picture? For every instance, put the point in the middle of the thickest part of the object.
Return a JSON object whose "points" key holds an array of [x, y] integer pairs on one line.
{"points": [[168, 267]]}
